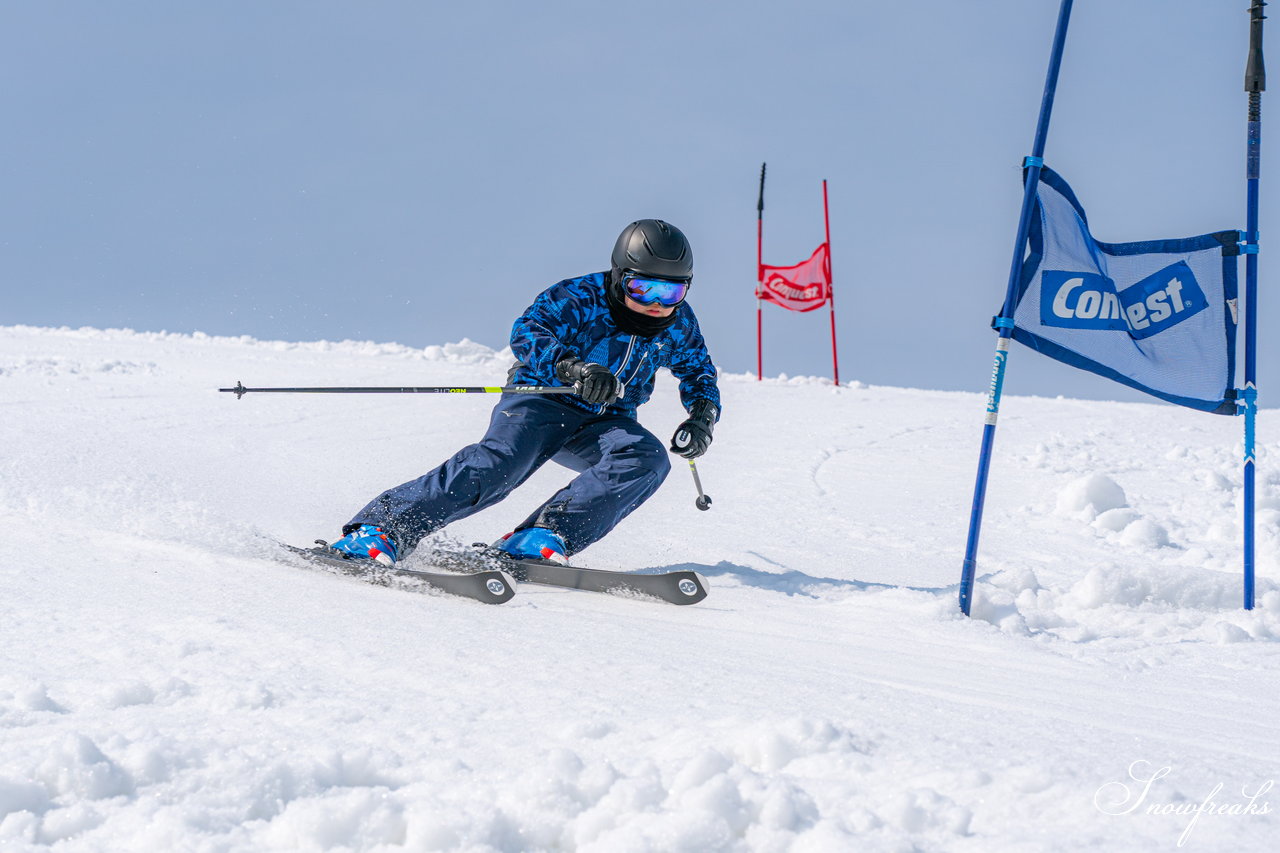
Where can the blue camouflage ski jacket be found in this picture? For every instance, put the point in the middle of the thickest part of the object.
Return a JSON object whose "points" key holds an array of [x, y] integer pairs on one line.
{"points": [[572, 319]]}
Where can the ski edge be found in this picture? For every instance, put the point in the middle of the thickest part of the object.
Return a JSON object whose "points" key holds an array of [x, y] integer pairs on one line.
{"points": [[490, 586]]}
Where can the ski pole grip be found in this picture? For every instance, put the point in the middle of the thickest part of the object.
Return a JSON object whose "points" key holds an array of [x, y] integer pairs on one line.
{"points": [[1255, 74]]}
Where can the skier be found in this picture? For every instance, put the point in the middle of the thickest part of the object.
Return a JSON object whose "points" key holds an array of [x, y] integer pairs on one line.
{"points": [[605, 335]]}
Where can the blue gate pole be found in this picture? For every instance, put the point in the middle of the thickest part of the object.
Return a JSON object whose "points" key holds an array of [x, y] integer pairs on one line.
{"points": [[1004, 323], [1255, 81]]}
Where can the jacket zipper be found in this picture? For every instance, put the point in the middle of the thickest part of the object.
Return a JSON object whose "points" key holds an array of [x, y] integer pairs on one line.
{"points": [[618, 375]]}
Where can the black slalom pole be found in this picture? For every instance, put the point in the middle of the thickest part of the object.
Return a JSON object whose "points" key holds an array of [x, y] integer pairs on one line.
{"points": [[240, 390]]}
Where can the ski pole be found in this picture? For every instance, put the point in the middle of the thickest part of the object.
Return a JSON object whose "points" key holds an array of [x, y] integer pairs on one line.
{"points": [[704, 501], [240, 390]]}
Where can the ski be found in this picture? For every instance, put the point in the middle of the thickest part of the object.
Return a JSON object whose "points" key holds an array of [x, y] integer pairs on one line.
{"points": [[680, 587], [490, 586]]}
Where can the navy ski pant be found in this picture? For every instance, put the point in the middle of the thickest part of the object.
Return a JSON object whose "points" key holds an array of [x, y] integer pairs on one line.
{"points": [[620, 465]]}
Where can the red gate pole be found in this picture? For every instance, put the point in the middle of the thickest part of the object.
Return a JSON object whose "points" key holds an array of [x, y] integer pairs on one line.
{"points": [[831, 291], [760, 278]]}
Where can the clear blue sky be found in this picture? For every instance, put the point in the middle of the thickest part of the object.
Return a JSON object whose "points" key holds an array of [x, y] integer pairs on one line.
{"points": [[418, 171]]}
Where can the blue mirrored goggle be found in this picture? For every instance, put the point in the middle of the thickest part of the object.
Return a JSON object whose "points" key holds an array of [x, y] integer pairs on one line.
{"points": [[647, 291]]}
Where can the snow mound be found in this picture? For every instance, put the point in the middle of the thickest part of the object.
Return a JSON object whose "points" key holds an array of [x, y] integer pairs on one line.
{"points": [[1118, 601], [1090, 496]]}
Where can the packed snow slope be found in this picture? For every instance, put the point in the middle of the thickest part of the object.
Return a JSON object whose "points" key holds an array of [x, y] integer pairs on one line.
{"points": [[169, 681]]}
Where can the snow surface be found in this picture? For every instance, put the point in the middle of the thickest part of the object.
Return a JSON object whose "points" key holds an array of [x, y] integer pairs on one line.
{"points": [[167, 683]]}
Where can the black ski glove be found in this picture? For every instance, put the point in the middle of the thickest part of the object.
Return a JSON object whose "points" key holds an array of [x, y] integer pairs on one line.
{"points": [[592, 382], [693, 437]]}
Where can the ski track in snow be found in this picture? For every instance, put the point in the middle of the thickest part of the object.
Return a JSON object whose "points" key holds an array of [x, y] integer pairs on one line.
{"points": [[169, 683]]}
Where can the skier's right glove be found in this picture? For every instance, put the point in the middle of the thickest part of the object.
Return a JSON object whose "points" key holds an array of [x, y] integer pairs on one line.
{"points": [[693, 437], [592, 382]]}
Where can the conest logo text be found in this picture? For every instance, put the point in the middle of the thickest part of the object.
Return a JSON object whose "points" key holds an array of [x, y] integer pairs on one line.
{"points": [[1077, 300]]}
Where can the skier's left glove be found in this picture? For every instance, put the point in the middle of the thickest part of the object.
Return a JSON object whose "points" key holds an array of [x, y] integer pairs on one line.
{"points": [[592, 382], [693, 437]]}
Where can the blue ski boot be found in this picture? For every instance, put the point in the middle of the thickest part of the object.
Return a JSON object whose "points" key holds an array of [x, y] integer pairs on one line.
{"points": [[369, 542], [534, 543]]}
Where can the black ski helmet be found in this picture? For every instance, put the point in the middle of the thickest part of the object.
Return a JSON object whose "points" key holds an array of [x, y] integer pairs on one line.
{"points": [[653, 247]]}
